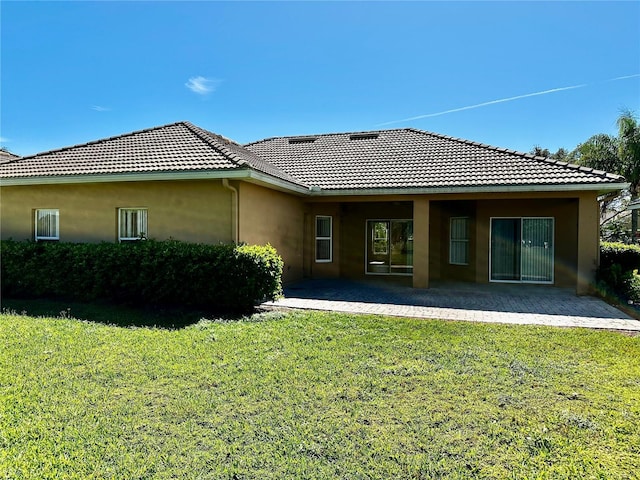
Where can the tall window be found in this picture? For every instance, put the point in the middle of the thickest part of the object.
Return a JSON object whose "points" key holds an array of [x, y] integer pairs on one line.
{"points": [[389, 247], [323, 239], [132, 224], [381, 238], [522, 249], [459, 241], [47, 224]]}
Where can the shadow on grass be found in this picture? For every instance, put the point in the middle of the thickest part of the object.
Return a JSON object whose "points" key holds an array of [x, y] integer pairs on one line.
{"points": [[114, 314]]}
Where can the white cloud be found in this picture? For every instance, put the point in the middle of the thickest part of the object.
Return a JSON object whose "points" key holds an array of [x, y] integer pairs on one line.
{"points": [[4, 140], [202, 85], [98, 108]]}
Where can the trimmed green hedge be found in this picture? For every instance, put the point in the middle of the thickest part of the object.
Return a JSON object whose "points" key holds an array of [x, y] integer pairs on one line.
{"points": [[147, 272], [627, 256], [616, 277]]}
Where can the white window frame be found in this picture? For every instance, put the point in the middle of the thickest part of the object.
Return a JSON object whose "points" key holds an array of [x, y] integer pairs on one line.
{"points": [[142, 224], [324, 239], [384, 239], [464, 241], [48, 211]]}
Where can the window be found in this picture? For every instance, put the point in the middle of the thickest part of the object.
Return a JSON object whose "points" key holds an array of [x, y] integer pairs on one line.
{"points": [[459, 241], [389, 247], [47, 224], [381, 238], [323, 239], [132, 224], [521, 250]]}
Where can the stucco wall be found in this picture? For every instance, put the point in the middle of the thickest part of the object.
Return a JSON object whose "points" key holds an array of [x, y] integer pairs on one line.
{"points": [[192, 211], [353, 227], [312, 268], [576, 232], [270, 216], [563, 210]]}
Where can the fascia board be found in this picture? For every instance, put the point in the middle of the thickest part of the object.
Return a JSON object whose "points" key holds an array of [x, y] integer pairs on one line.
{"points": [[598, 187], [283, 185], [243, 174], [121, 177]]}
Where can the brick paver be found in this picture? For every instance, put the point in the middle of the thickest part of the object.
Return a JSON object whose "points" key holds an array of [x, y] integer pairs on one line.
{"points": [[516, 304]]}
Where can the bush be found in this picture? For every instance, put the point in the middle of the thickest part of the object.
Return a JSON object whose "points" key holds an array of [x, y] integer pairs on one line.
{"points": [[617, 275], [627, 256], [221, 277]]}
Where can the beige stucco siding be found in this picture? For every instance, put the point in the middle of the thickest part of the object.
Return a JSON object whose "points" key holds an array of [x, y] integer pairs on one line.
{"points": [[564, 211], [270, 216], [576, 233], [191, 211], [353, 236]]}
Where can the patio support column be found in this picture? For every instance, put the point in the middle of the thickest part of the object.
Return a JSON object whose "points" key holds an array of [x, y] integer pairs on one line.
{"points": [[421, 243], [588, 242]]}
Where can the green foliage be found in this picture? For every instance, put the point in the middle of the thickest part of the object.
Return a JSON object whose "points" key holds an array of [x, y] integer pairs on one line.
{"points": [[600, 152], [561, 154], [617, 275], [622, 254], [318, 396], [143, 273], [629, 148]]}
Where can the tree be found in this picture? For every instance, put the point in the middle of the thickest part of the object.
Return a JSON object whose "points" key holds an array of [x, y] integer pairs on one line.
{"points": [[561, 154], [629, 155], [620, 155], [600, 152]]}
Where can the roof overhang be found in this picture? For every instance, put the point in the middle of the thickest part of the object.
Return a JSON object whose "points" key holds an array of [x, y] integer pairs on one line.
{"points": [[596, 187], [252, 176], [269, 181]]}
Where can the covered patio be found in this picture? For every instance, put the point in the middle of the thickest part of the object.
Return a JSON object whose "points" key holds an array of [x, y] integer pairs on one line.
{"points": [[490, 303]]}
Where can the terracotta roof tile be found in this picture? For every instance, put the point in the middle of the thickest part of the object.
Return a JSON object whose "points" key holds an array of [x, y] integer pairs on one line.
{"points": [[410, 158], [169, 148], [385, 159]]}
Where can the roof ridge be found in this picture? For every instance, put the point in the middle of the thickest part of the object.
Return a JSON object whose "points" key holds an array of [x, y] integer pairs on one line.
{"points": [[252, 161], [100, 140], [355, 132], [211, 139], [531, 156]]}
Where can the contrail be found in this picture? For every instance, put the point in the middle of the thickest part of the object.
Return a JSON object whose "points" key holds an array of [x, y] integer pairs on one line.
{"points": [[502, 100], [622, 78]]}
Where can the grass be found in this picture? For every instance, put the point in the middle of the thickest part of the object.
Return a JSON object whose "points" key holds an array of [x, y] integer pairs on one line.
{"points": [[316, 395]]}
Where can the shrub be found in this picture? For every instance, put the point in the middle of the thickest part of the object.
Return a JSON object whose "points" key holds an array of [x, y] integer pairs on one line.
{"points": [[142, 273], [627, 256], [617, 275]]}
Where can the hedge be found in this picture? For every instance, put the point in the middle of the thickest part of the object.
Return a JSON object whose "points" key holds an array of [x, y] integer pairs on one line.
{"points": [[224, 277], [627, 256], [616, 278]]}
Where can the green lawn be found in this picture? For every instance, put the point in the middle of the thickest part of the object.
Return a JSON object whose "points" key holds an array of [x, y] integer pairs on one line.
{"points": [[316, 395]]}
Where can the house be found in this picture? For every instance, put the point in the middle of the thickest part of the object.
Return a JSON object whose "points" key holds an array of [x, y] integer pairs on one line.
{"points": [[6, 156], [402, 204]]}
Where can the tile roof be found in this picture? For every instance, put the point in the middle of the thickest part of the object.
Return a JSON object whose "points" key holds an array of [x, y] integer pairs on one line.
{"points": [[6, 156], [175, 147], [386, 159], [409, 158]]}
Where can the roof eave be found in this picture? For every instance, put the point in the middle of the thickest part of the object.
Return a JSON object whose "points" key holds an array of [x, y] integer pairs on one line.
{"points": [[239, 174], [257, 177], [597, 187]]}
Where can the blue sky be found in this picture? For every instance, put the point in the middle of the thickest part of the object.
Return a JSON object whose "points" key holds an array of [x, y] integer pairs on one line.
{"points": [[511, 74]]}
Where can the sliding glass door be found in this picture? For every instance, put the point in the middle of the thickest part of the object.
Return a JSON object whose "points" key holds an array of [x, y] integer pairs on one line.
{"points": [[390, 247], [521, 250]]}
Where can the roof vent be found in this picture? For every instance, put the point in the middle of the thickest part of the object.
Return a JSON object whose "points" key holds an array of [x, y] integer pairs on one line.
{"points": [[363, 136], [293, 141]]}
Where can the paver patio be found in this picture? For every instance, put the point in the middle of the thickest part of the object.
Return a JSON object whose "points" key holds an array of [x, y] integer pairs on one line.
{"points": [[494, 303]]}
